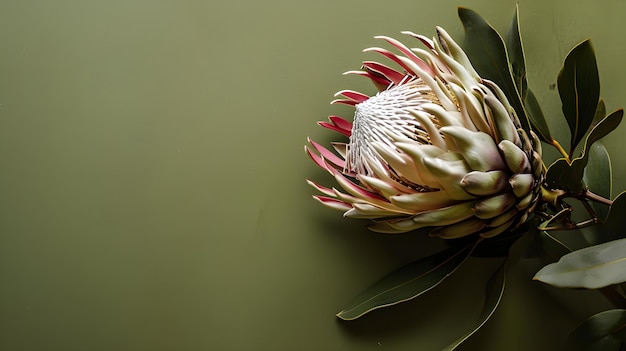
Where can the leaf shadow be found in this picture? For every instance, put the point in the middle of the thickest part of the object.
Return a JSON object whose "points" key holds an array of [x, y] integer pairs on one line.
{"points": [[440, 315]]}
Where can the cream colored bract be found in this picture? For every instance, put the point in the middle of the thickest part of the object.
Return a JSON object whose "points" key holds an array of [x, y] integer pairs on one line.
{"points": [[437, 146]]}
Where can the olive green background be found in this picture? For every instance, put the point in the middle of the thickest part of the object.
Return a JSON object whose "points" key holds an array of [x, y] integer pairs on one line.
{"points": [[152, 176]]}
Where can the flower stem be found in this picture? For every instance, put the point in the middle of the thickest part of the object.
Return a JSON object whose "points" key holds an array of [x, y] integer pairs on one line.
{"points": [[558, 146], [597, 198]]}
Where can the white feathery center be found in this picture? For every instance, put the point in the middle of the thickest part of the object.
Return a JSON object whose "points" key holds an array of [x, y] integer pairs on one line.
{"points": [[383, 118]]}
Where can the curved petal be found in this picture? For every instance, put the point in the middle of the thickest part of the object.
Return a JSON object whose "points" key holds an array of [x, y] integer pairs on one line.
{"points": [[445, 117], [504, 126], [409, 54], [459, 230], [452, 48], [348, 102], [317, 159], [494, 206], [400, 164], [322, 189], [386, 189], [450, 174], [497, 230], [427, 125], [362, 210], [522, 184], [380, 82], [327, 154], [333, 203], [425, 40], [388, 72], [418, 153], [423, 201], [478, 149], [516, 159], [485, 183], [388, 54], [439, 217], [337, 124]]}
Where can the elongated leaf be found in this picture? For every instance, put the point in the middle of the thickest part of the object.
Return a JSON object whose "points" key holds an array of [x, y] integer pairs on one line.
{"points": [[600, 113], [536, 117], [515, 50], [579, 88], [487, 52], [408, 282], [593, 267], [604, 331], [494, 292], [603, 128], [597, 177]]}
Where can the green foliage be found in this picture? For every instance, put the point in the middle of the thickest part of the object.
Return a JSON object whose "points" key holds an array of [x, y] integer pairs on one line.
{"points": [[493, 295], [593, 267], [566, 176], [487, 52], [536, 117], [515, 51], [586, 178], [600, 113], [579, 88], [569, 176], [605, 331], [597, 176], [603, 128], [615, 225], [408, 282]]}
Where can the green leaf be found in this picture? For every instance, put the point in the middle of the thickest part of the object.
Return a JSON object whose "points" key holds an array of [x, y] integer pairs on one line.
{"points": [[561, 215], [579, 89], [597, 177], [562, 175], [604, 331], [515, 51], [408, 282], [603, 128], [494, 292], [551, 245], [536, 117], [593, 267], [600, 113], [487, 52], [565, 176], [615, 225]]}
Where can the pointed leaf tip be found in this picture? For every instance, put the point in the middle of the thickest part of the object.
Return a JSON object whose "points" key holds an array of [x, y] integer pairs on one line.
{"points": [[408, 282], [579, 88], [488, 54], [593, 267]]}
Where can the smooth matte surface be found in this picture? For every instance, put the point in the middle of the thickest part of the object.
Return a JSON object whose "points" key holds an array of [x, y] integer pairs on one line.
{"points": [[152, 177]]}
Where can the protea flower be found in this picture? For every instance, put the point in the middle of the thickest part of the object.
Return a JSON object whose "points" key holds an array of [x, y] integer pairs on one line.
{"points": [[437, 146]]}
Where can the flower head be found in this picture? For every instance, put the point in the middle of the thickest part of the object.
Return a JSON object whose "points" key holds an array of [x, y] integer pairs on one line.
{"points": [[437, 146]]}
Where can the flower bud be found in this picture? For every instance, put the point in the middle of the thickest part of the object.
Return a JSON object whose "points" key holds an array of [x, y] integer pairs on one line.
{"points": [[436, 147]]}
